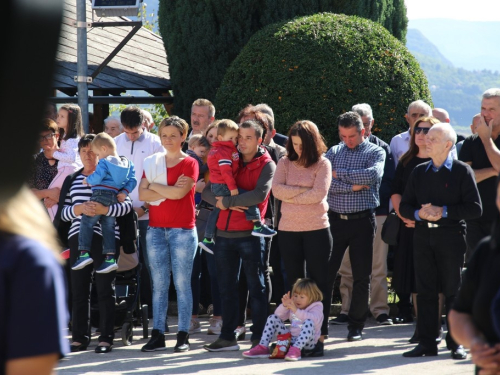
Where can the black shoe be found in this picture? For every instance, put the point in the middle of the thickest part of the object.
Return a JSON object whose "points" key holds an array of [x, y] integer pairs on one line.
{"points": [[79, 348], [403, 319], [341, 319], [459, 353], [318, 351], [354, 335], [420, 351], [384, 320], [157, 342], [102, 349], [182, 342]]}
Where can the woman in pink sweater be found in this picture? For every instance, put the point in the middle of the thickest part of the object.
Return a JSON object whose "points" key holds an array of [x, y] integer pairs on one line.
{"points": [[301, 182]]}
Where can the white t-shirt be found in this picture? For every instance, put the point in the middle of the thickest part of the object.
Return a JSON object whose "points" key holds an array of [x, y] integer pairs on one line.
{"points": [[146, 145]]}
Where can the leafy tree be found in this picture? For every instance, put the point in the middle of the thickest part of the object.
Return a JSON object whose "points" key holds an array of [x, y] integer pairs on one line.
{"points": [[202, 38], [317, 67]]}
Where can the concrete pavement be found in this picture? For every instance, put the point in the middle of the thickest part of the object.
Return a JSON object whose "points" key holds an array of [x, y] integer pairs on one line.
{"points": [[380, 352]]}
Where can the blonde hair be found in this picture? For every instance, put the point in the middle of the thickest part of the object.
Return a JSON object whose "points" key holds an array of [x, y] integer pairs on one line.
{"points": [[104, 139], [226, 125], [309, 288], [24, 215]]}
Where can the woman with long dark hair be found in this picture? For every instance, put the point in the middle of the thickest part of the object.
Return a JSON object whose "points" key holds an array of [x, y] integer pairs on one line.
{"points": [[301, 182]]}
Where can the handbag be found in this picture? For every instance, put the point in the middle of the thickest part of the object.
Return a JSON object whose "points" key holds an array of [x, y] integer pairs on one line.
{"points": [[203, 211], [390, 229]]}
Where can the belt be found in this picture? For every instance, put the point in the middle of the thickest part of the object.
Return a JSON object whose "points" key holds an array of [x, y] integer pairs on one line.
{"points": [[428, 224], [352, 216]]}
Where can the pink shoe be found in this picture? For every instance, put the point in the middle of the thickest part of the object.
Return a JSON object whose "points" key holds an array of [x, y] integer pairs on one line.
{"points": [[293, 354], [260, 351]]}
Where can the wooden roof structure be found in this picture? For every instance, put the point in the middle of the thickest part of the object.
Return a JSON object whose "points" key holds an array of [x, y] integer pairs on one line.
{"points": [[140, 65]]}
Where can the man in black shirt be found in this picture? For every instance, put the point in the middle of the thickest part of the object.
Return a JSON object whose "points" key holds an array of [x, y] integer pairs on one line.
{"points": [[439, 196], [478, 150]]}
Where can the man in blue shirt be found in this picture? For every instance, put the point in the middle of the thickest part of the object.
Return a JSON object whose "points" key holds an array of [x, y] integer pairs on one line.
{"points": [[357, 169], [439, 196]]}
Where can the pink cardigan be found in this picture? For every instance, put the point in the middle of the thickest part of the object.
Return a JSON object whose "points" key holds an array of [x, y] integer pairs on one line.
{"points": [[314, 312], [309, 209]]}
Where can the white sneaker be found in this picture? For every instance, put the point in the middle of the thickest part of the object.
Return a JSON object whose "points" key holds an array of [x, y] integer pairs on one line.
{"points": [[215, 326], [195, 326]]}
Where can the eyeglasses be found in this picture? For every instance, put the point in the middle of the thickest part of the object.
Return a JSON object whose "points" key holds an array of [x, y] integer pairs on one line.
{"points": [[419, 130], [48, 137]]}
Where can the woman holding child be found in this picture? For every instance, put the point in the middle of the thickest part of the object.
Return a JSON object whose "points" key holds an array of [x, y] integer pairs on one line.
{"points": [[301, 182], [171, 236]]}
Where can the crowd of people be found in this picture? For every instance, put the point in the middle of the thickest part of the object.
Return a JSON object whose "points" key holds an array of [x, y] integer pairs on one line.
{"points": [[287, 203]]}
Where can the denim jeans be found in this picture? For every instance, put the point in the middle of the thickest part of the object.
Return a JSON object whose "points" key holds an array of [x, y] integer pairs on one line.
{"points": [[230, 254], [146, 294], [221, 190], [171, 250], [106, 198]]}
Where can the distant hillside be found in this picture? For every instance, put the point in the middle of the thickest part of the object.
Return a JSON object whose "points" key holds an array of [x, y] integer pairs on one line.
{"points": [[455, 89], [469, 45]]}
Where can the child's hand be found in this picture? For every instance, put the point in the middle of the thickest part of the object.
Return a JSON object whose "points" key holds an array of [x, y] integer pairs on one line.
{"points": [[234, 192], [84, 181], [121, 197]]}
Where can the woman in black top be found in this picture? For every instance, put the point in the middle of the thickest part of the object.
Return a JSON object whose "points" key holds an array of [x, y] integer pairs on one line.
{"points": [[403, 278], [470, 319]]}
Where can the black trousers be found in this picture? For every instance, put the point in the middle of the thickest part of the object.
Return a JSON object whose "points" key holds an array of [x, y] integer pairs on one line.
{"points": [[438, 256], [308, 253], [476, 231], [358, 236], [81, 283]]}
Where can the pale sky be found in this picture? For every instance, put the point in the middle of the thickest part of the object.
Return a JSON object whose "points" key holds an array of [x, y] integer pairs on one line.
{"points": [[476, 10]]}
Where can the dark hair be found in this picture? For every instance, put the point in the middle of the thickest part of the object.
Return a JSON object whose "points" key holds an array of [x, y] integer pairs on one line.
{"points": [[85, 141], [350, 120], [49, 125], [255, 125], [313, 144], [132, 117], [75, 126], [247, 111], [413, 150]]}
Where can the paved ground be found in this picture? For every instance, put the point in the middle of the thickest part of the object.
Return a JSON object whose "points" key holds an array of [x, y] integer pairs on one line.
{"points": [[378, 353]]}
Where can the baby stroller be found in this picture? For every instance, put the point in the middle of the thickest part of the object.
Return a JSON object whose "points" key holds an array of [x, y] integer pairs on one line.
{"points": [[129, 312]]}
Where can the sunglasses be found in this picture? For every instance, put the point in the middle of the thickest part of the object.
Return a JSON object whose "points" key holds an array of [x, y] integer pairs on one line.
{"points": [[419, 130]]}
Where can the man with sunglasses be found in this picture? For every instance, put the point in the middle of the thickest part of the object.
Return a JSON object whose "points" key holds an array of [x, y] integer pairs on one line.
{"points": [[439, 196], [480, 151]]}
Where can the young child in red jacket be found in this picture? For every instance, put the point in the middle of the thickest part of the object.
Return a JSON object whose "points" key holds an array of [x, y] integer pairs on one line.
{"points": [[223, 163], [305, 312]]}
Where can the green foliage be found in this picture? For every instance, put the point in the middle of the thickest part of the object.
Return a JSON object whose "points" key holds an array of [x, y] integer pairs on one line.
{"points": [[318, 67], [202, 38], [158, 112]]}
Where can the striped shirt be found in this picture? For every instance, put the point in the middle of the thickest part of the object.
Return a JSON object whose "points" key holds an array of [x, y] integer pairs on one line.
{"points": [[78, 194], [362, 165]]}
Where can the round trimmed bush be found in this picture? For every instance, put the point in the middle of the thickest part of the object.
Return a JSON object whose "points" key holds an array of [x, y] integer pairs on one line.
{"points": [[317, 67]]}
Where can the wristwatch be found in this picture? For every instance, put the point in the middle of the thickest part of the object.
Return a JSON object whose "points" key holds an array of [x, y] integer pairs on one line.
{"points": [[146, 210]]}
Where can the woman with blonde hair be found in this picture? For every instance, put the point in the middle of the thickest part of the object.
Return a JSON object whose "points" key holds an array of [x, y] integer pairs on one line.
{"points": [[31, 280]]}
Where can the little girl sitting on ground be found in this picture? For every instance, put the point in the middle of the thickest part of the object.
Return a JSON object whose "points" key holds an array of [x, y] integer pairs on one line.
{"points": [[305, 312]]}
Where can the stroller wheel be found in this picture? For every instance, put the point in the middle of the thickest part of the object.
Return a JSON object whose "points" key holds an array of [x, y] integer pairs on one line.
{"points": [[127, 334], [145, 321]]}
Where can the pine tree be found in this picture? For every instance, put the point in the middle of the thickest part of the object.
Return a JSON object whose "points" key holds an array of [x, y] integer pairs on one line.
{"points": [[202, 38]]}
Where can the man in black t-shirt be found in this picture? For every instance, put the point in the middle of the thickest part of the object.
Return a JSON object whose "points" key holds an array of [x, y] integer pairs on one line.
{"points": [[480, 151]]}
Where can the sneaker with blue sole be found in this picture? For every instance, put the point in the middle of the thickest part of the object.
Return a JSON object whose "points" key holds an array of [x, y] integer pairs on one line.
{"points": [[107, 266], [263, 231], [83, 261]]}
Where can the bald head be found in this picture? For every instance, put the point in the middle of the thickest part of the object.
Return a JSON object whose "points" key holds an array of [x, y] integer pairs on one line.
{"points": [[441, 114], [475, 123], [148, 122]]}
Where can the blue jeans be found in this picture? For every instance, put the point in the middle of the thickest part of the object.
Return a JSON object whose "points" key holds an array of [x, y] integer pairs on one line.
{"points": [[230, 254], [106, 198], [221, 190], [171, 250]]}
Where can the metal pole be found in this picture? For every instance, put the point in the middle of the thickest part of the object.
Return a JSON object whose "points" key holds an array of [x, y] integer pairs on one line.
{"points": [[81, 66]]}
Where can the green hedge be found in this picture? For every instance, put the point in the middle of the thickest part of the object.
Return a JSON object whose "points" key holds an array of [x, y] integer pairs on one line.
{"points": [[317, 67]]}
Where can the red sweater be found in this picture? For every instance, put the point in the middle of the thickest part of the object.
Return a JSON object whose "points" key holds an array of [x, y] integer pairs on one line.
{"points": [[248, 175], [223, 163]]}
